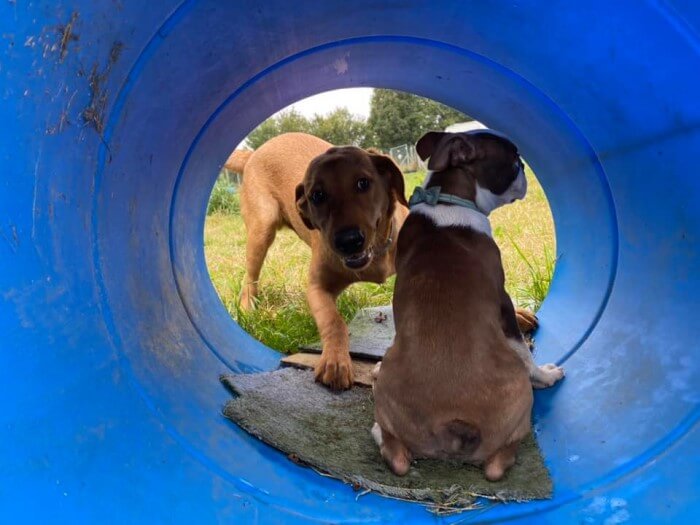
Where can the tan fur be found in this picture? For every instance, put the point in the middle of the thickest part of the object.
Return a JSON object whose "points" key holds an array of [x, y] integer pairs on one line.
{"points": [[237, 160], [268, 202]]}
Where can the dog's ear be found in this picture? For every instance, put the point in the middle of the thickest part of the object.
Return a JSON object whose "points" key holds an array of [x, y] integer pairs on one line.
{"points": [[445, 150], [388, 168], [425, 147], [302, 206]]}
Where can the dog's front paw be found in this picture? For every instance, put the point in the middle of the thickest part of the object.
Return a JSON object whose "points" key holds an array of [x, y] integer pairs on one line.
{"points": [[334, 370], [527, 321], [547, 375]]}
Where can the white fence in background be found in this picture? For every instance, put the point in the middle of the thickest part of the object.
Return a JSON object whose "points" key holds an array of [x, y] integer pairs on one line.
{"points": [[406, 158]]}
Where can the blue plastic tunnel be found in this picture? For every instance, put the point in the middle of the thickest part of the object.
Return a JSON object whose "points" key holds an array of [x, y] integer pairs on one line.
{"points": [[115, 116]]}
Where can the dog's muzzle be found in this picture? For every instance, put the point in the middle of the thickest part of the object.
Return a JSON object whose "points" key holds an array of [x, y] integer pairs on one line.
{"points": [[349, 241], [359, 260]]}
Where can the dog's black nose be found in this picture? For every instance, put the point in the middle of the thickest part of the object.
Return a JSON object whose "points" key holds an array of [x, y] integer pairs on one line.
{"points": [[349, 240]]}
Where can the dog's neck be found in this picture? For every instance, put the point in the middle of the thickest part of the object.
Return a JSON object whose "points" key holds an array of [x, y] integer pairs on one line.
{"points": [[454, 181], [389, 238], [460, 185]]}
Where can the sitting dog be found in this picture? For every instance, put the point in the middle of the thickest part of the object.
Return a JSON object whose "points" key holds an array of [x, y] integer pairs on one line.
{"points": [[457, 382], [348, 205]]}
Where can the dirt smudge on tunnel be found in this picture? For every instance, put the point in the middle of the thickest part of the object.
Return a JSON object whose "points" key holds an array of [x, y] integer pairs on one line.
{"points": [[93, 114]]}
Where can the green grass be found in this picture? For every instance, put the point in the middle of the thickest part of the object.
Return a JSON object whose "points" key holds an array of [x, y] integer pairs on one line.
{"points": [[524, 231], [224, 197]]}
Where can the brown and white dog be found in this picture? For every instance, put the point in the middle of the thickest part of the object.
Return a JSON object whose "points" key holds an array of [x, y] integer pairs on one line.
{"points": [[348, 205], [457, 382]]}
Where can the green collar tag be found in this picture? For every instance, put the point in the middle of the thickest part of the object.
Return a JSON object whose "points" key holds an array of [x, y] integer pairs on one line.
{"points": [[432, 196]]}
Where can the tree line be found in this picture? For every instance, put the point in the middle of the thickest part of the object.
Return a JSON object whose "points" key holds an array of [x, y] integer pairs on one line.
{"points": [[395, 118]]}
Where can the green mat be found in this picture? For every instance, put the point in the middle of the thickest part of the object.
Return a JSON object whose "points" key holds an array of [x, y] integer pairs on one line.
{"points": [[330, 432]]}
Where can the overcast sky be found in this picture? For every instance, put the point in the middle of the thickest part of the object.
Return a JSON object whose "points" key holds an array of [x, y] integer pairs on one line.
{"points": [[355, 99]]}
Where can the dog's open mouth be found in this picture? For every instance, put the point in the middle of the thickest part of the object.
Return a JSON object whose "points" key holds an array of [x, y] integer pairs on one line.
{"points": [[358, 260]]}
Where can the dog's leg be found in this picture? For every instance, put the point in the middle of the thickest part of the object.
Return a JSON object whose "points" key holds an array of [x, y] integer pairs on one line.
{"points": [[260, 238], [496, 466], [541, 376], [375, 370], [334, 369], [527, 321], [395, 453]]}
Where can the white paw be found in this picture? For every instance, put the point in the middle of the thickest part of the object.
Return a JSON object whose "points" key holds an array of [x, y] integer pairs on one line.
{"points": [[375, 370], [377, 434], [547, 375]]}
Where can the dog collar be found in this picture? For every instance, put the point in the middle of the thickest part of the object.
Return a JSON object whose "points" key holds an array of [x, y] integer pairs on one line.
{"points": [[389, 241], [432, 196]]}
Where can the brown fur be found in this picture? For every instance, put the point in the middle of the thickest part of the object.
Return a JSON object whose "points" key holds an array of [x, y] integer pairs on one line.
{"points": [[451, 385], [275, 178], [450, 361]]}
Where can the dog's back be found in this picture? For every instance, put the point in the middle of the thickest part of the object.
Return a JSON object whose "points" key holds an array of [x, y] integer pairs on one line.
{"points": [[453, 385], [270, 176], [450, 386]]}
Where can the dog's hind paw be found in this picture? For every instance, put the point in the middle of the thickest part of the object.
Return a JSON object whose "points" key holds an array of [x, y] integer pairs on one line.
{"points": [[248, 299], [527, 321], [546, 375]]}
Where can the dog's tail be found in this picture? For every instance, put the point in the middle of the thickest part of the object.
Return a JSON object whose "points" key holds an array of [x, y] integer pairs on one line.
{"points": [[237, 161], [460, 437]]}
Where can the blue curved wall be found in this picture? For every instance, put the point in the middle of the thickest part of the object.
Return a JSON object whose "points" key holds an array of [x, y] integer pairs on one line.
{"points": [[116, 117]]}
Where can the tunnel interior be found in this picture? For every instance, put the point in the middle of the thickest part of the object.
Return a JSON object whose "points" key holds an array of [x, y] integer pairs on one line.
{"points": [[110, 309]]}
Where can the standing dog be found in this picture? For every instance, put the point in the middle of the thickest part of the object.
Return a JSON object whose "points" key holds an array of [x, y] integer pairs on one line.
{"points": [[348, 205], [457, 382]]}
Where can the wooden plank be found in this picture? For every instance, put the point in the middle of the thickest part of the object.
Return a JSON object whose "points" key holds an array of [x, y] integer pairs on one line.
{"points": [[362, 370]]}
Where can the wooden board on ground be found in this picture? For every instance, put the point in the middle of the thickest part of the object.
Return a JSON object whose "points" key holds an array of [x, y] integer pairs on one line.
{"points": [[362, 370], [371, 333]]}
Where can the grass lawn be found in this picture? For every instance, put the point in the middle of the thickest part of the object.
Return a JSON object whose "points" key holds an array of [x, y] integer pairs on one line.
{"points": [[524, 232]]}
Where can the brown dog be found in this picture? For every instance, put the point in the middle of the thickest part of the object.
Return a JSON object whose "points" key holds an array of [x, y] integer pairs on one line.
{"points": [[348, 205], [457, 382], [350, 227]]}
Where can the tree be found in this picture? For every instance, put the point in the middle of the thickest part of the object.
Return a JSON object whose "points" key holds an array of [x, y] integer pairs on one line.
{"points": [[282, 123], [398, 118], [339, 127], [395, 118]]}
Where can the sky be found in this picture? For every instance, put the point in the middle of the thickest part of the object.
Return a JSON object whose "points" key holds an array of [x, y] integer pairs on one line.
{"points": [[355, 99]]}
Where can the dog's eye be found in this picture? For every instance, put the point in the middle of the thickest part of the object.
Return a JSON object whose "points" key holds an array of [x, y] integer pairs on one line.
{"points": [[362, 185], [318, 197]]}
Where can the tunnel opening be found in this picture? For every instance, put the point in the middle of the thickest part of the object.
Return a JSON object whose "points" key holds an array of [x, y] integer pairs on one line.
{"points": [[280, 318]]}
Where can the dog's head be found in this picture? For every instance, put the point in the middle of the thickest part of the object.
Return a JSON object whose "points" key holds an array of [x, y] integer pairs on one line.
{"points": [[349, 195], [490, 158]]}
